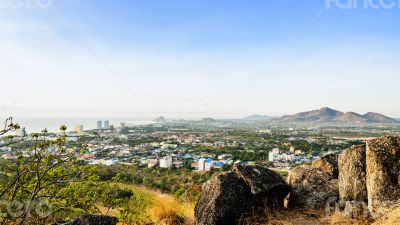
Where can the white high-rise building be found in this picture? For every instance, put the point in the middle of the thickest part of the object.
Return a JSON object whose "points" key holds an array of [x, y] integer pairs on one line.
{"points": [[99, 125], [208, 164], [202, 164], [166, 162], [106, 124]]}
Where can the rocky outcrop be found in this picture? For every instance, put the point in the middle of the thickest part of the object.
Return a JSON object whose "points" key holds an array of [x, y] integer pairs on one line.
{"points": [[383, 171], [328, 164], [311, 187], [226, 197], [264, 184], [352, 174]]}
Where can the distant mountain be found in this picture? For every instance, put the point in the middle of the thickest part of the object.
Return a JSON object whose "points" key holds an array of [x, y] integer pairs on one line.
{"points": [[160, 119], [208, 120], [327, 115], [379, 118], [257, 118], [351, 117], [321, 115]]}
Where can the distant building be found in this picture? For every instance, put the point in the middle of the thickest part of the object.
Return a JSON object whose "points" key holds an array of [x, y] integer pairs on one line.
{"points": [[152, 163], [208, 164], [20, 132], [6, 148], [123, 125], [273, 155], [292, 149], [166, 162], [8, 156], [225, 157], [201, 164], [78, 129], [106, 124], [99, 125]]}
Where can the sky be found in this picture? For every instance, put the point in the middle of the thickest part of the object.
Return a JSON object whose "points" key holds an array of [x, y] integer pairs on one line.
{"points": [[197, 58]]}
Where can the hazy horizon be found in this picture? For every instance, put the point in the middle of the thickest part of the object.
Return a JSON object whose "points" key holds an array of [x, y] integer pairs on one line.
{"points": [[191, 59]]}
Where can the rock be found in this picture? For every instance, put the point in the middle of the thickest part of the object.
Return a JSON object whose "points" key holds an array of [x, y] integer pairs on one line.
{"points": [[226, 197], [265, 184], [328, 164], [311, 187], [383, 171], [94, 220], [352, 174], [259, 179]]}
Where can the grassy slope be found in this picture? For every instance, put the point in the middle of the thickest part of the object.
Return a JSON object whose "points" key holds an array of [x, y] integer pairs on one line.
{"points": [[164, 208]]}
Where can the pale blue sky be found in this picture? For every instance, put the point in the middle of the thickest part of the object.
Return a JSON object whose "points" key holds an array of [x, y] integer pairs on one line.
{"points": [[195, 58]]}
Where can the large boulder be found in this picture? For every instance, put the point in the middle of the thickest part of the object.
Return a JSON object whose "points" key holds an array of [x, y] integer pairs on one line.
{"points": [[226, 197], [265, 184], [352, 174], [383, 172], [311, 187], [328, 164]]}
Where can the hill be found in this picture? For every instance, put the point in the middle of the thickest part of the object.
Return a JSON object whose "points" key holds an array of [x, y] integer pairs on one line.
{"points": [[160, 119], [328, 115], [208, 120], [257, 118]]}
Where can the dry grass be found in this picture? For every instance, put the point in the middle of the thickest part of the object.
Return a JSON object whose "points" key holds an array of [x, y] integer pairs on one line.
{"points": [[167, 213], [339, 220], [165, 209], [392, 217]]}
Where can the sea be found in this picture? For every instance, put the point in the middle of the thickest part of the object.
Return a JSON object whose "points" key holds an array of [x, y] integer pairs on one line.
{"points": [[38, 124]]}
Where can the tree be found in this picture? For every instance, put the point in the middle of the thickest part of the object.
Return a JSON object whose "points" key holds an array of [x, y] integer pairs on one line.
{"points": [[41, 180]]}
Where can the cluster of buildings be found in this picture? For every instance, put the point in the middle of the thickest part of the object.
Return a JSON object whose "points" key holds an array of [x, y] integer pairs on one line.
{"points": [[277, 155], [174, 148], [103, 125], [201, 164]]}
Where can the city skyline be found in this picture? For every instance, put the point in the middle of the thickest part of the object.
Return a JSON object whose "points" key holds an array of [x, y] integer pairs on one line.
{"points": [[197, 59]]}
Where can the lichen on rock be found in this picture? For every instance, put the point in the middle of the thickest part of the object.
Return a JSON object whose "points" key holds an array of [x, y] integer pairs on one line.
{"points": [[352, 174], [311, 187], [328, 164], [383, 171]]}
